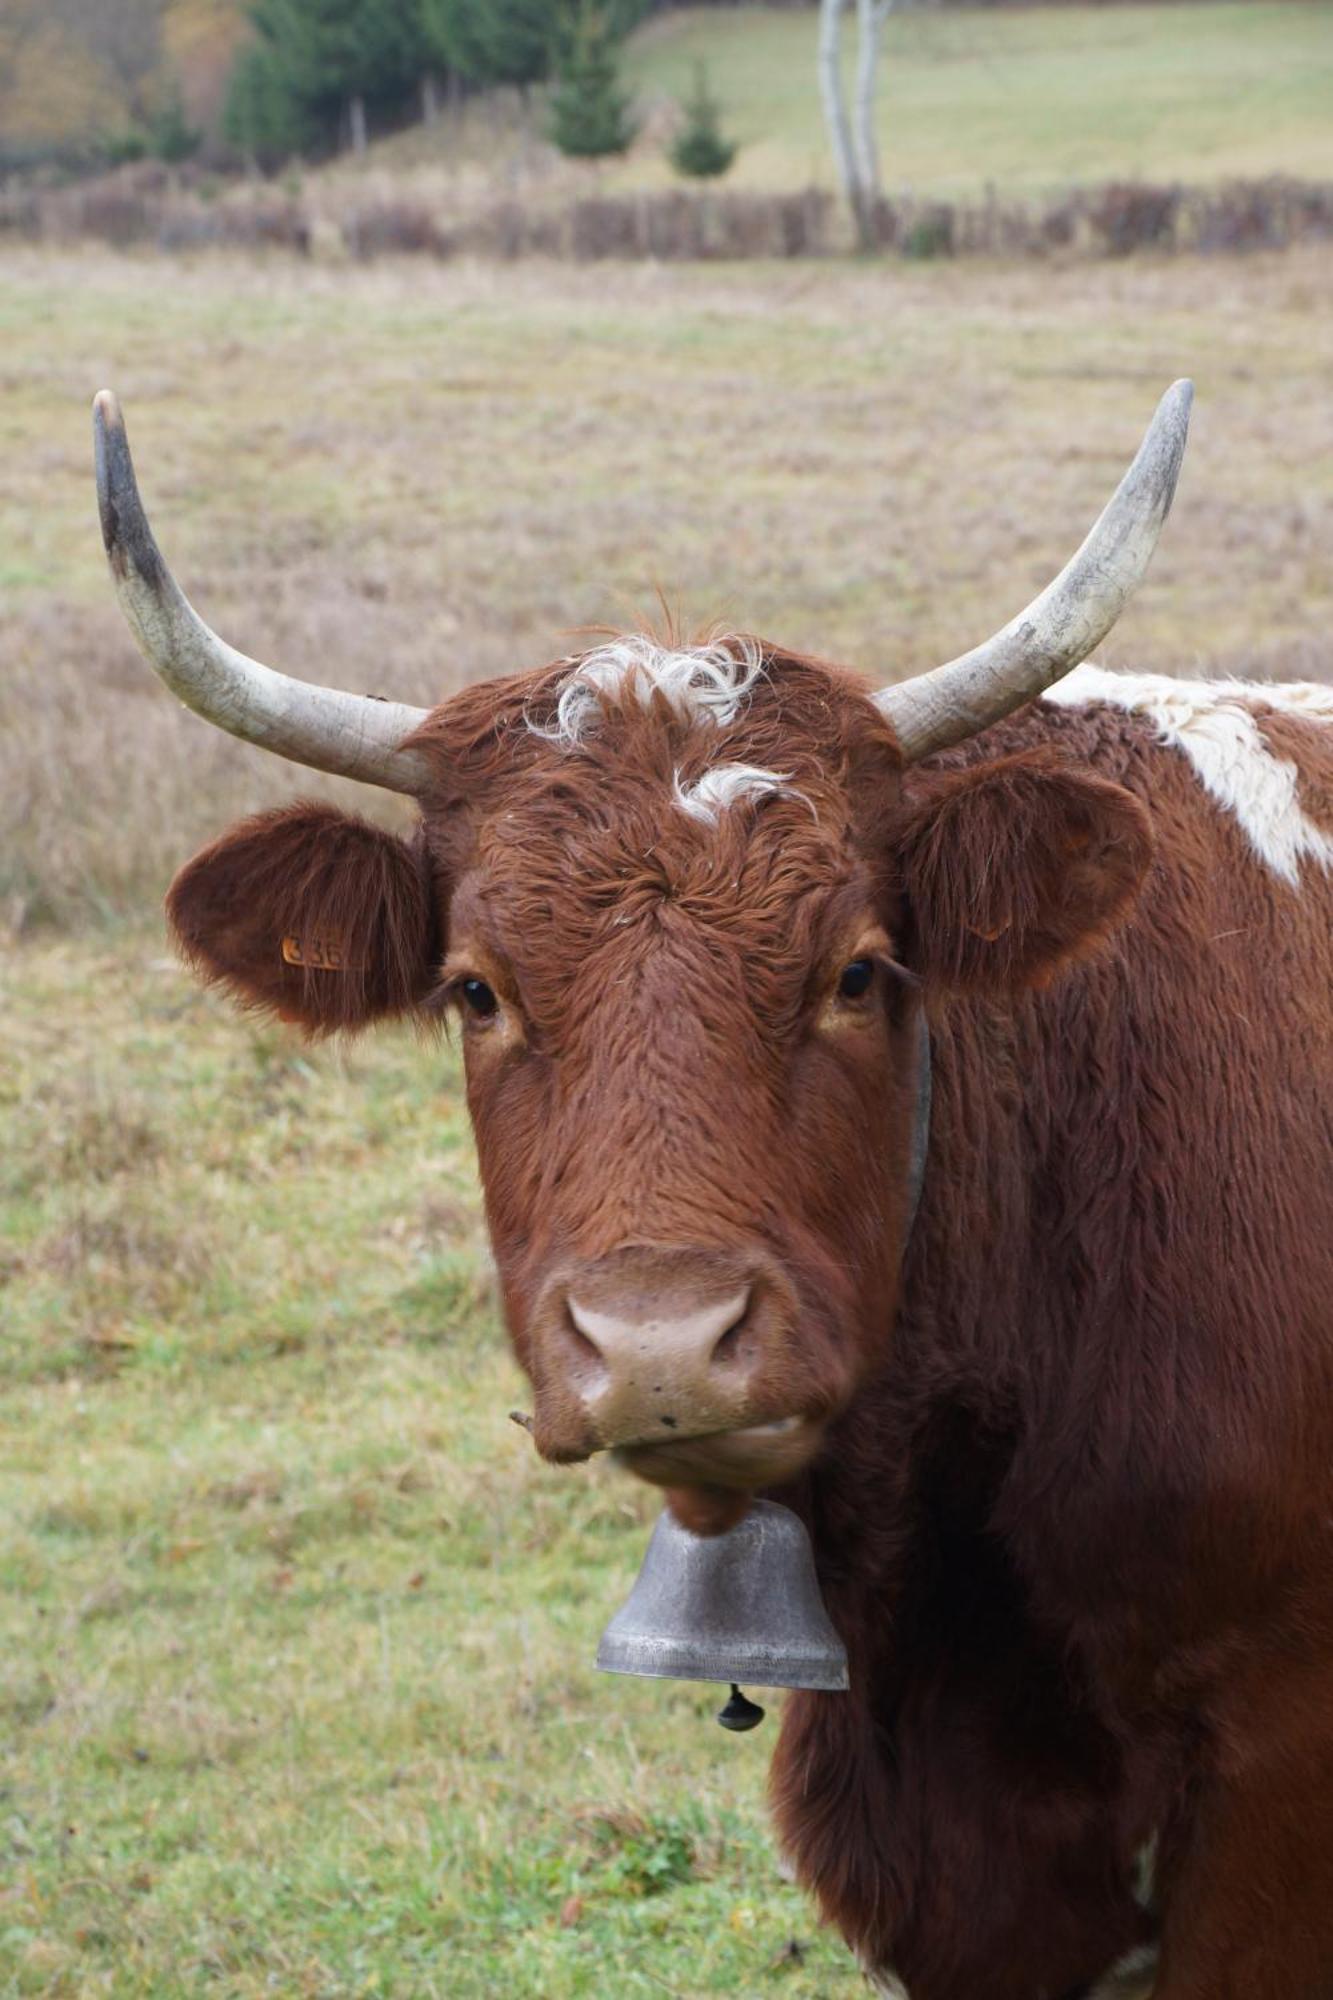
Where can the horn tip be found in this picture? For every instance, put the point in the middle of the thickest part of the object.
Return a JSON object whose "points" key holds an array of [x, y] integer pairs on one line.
{"points": [[126, 536], [1179, 399]]}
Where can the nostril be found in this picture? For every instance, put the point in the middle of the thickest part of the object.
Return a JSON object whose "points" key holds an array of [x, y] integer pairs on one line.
{"points": [[728, 1345], [584, 1346]]}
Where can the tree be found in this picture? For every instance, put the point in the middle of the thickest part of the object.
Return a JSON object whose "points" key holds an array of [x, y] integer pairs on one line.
{"points": [[590, 110], [171, 136], [125, 36], [262, 117], [318, 67], [494, 41], [491, 42], [699, 149], [855, 147]]}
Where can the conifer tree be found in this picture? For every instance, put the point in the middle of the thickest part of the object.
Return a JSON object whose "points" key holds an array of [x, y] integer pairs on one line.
{"points": [[699, 148], [590, 109], [316, 68], [491, 42]]}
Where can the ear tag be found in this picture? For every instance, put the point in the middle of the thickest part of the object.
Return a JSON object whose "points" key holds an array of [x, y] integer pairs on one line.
{"points": [[315, 954]]}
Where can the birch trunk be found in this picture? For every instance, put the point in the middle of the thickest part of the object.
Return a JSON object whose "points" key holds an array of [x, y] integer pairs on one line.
{"points": [[831, 92], [356, 118], [855, 152], [870, 18]]}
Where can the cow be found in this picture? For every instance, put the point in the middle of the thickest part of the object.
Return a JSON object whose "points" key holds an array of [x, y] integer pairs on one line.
{"points": [[1063, 1437]]}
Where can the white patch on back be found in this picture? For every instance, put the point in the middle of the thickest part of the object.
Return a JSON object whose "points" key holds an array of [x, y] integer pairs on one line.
{"points": [[1215, 725], [728, 785], [698, 683]]}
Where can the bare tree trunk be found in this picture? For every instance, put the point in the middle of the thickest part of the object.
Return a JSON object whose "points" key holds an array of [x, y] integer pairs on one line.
{"points": [[430, 98], [870, 18], [856, 158], [831, 91], [356, 120]]}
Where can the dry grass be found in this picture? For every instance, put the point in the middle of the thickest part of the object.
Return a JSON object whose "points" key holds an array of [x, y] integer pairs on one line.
{"points": [[342, 216], [402, 478]]}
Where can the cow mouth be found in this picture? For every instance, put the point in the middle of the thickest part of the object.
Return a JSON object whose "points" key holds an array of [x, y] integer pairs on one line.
{"points": [[742, 1460]]}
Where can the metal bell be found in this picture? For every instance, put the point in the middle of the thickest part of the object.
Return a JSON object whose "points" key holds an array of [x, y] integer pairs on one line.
{"points": [[741, 1606]]}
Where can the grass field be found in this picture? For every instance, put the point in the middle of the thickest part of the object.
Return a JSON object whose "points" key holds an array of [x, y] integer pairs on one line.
{"points": [[1027, 98], [295, 1689]]}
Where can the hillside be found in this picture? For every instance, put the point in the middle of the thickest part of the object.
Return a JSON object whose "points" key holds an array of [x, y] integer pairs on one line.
{"points": [[1029, 98]]}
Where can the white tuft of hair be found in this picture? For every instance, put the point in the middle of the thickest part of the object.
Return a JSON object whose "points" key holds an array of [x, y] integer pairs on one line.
{"points": [[729, 785], [698, 683]]}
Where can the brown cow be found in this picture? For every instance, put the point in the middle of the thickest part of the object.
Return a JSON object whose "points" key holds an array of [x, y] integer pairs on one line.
{"points": [[1065, 1445]]}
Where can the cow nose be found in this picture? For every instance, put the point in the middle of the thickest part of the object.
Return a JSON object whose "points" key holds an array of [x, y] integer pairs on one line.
{"points": [[678, 1349], [646, 1343]]}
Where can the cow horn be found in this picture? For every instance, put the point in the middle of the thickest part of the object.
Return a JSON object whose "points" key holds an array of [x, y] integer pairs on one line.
{"points": [[350, 734], [1072, 615]]}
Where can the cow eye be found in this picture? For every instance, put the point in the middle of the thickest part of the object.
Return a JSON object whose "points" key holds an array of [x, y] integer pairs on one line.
{"points": [[856, 979], [479, 999]]}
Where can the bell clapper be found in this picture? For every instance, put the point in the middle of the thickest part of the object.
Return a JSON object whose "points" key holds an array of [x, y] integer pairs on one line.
{"points": [[740, 1712]]}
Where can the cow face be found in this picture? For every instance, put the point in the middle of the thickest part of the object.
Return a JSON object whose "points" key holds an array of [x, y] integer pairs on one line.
{"points": [[686, 920]]}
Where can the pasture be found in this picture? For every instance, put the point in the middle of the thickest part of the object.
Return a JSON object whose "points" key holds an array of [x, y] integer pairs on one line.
{"points": [[1029, 99], [296, 1688]]}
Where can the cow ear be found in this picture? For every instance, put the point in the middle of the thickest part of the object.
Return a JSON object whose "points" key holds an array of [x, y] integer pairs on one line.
{"points": [[1015, 868], [316, 916]]}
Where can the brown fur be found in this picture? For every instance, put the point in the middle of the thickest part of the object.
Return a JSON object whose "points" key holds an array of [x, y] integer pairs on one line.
{"points": [[319, 875], [1071, 1515]]}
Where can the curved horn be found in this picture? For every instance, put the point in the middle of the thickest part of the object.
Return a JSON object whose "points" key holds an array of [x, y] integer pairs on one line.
{"points": [[1072, 615], [350, 734]]}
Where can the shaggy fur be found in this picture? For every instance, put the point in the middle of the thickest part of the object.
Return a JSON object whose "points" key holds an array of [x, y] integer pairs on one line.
{"points": [[334, 886], [1071, 1511]]}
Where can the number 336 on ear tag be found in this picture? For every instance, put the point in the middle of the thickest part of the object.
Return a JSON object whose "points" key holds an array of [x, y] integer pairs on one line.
{"points": [[316, 954]]}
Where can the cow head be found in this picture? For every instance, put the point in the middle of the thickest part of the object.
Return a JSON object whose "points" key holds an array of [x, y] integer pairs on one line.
{"points": [[687, 916]]}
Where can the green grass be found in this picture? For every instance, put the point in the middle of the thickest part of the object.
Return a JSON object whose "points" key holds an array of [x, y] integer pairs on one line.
{"points": [[296, 1691], [1029, 98]]}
